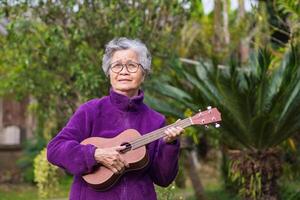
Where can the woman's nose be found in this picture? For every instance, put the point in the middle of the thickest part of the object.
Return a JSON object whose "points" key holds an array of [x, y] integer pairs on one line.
{"points": [[124, 70]]}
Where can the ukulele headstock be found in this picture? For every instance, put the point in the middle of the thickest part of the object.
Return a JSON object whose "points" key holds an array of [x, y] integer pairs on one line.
{"points": [[209, 116]]}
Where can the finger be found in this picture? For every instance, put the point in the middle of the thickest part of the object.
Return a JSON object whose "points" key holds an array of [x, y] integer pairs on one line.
{"points": [[177, 120], [118, 166], [167, 132], [113, 169], [124, 161], [174, 131], [121, 167], [170, 131], [169, 135], [181, 130], [120, 160], [122, 170], [119, 148], [174, 134], [166, 139]]}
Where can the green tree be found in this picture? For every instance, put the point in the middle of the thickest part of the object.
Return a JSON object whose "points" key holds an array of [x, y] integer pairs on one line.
{"points": [[53, 50], [259, 105]]}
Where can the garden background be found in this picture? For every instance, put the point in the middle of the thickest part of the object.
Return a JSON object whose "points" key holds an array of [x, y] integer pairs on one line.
{"points": [[241, 56]]}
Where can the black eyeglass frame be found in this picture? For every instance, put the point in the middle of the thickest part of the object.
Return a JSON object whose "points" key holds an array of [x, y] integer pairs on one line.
{"points": [[131, 62]]}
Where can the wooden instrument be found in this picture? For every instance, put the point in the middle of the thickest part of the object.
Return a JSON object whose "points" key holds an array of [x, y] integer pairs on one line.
{"points": [[135, 153]]}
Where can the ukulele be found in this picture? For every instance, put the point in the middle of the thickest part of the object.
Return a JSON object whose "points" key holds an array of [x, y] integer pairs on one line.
{"points": [[135, 152]]}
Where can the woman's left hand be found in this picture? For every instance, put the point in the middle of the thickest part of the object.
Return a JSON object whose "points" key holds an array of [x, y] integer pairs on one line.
{"points": [[172, 134]]}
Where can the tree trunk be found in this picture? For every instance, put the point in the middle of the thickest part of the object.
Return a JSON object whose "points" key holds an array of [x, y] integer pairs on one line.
{"points": [[241, 10], [243, 51], [217, 40], [191, 166], [193, 174], [31, 122], [221, 37], [1, 114], [226, 39]]}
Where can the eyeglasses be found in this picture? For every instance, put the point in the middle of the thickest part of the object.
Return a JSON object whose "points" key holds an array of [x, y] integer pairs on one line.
{"points": [[131, 67]]}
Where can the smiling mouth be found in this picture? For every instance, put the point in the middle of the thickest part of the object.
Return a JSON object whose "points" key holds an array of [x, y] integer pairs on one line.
{"points": [[124, 80]]}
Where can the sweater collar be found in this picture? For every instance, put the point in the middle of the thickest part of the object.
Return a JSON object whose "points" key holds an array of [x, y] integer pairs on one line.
{"points": [[125, 103]]}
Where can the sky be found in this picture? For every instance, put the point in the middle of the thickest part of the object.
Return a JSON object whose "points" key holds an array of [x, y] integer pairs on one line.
{"points": [[209, 5]]}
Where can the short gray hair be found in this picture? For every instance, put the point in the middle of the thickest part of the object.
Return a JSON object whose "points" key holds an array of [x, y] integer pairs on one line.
{"points": [[124, 43]]}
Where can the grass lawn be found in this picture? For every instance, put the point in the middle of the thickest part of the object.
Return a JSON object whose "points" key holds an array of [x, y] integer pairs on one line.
{"points": [[29, 192], [14, 192], [214, 191]]}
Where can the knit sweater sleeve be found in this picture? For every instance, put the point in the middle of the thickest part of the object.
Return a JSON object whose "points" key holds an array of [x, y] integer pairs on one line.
{"points": [[65, 150], [164, 167]]}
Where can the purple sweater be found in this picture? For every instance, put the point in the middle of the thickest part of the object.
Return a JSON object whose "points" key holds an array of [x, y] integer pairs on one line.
{"points": [[107, 117]]}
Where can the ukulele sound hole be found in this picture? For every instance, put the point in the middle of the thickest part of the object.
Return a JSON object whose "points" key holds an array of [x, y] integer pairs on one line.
{"points": [[128, 147]]}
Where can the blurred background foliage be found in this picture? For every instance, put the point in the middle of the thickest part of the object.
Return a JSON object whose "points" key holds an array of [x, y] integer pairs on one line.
{"points": [[245, 62]]}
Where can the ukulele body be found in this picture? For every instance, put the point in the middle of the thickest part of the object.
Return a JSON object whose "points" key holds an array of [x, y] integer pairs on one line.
{"points": [[103, 178]]}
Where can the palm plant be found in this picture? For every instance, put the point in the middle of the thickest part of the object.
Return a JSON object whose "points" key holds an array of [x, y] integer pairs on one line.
{"points": [[260, 106]]}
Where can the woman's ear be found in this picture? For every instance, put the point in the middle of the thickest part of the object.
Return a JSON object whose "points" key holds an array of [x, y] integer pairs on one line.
{"points": [[145, 75], [107, 75]]}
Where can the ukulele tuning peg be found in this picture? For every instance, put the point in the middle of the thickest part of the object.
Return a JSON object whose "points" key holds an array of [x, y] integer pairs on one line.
{"points": [[208, 107], [217, 125]]}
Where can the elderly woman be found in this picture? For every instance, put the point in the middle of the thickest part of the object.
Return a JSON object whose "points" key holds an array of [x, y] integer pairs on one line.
{"points": [[126, 62]]}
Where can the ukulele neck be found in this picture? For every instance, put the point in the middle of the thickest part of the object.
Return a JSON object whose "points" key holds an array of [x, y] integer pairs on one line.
{"points": [[159, 133]]}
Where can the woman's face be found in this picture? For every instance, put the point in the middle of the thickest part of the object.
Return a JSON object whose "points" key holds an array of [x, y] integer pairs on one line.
{"points": [[126, 82]]}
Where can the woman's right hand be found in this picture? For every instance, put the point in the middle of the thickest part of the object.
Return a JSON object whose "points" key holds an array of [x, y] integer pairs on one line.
{"points": [[111, 158]]}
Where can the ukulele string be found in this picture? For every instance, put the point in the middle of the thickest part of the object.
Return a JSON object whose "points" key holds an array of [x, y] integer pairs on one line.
{"points": [[156, 132], [154, 135], [160, 132]]}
